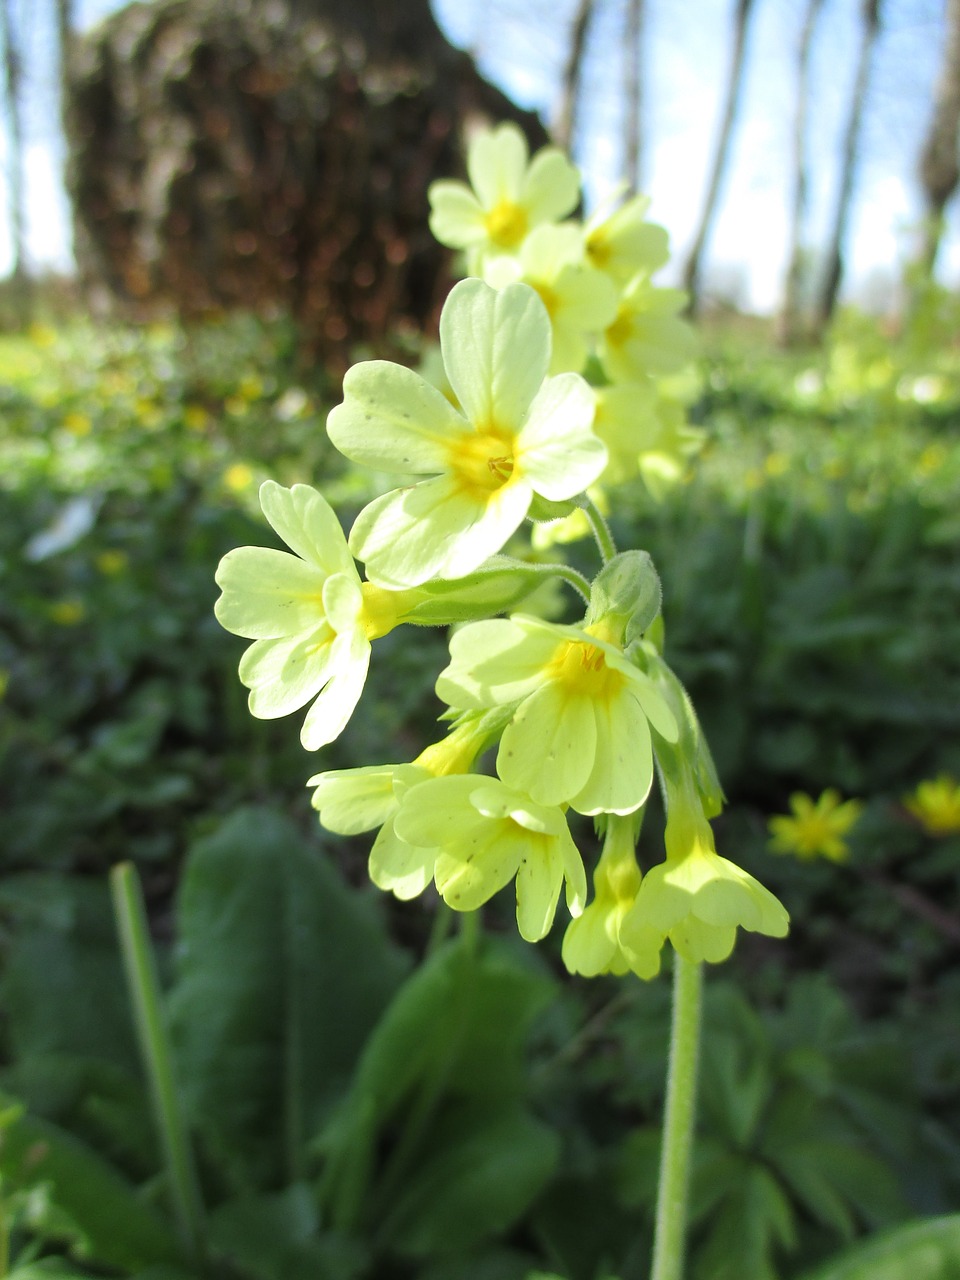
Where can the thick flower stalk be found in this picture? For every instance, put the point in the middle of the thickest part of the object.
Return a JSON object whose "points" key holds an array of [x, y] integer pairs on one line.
{"points": [[520, 434]]}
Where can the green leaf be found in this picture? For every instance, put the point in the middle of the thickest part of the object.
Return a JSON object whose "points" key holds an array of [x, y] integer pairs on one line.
{"points": [[459, 1024], [114, 1224], [282, 970], [278, 1237], [483, 1167], [926, 1250]]}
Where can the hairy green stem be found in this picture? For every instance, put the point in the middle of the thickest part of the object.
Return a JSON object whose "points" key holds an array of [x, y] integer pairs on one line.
{"points": [[599, 528], [678, 1122], [143, 987]]}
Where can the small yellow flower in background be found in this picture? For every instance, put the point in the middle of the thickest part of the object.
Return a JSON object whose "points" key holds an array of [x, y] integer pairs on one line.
{"points": [[111, 562], [238, 477], [67, 613], [251, 387], [195, 417], [41, 335], [78, 424], [935, 804], [509, 194], [816, 829]]}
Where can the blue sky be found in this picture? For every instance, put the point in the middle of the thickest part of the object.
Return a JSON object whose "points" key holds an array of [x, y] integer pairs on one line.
{"points": [[520, 45]]}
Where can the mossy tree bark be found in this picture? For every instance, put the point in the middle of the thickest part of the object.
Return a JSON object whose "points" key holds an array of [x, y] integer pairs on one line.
{"points": [[271, 155]]}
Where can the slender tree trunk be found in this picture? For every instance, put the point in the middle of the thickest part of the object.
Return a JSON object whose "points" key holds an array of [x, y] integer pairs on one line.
{"points": [[633, 93], [65, 37], [691, 273], [833, 271], [567, 116], [788, 324], [939, 166], [13, 81]]}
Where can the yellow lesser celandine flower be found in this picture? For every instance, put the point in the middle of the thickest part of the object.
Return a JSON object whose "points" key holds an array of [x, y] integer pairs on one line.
{"points": [[935, 804], [520, 434], [509, 195], [592, 943], [351, 801], [485, 834], [580, 734], [696, 898], [647, 336], [816, 828], [622, 243], [580, 300], [309, 615]]}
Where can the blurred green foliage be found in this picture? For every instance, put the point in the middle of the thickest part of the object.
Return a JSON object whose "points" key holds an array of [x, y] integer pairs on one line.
{"points": [[366, 1102]]}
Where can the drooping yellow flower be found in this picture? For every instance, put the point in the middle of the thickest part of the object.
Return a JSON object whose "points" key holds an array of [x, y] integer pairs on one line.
{"points": [[815, 829], [935, 804], [509, 195], [483, 834], [580, 734], [592, 943]]}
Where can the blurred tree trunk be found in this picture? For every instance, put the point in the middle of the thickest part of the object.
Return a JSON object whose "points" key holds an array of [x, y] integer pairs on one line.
{"points": [[234, 153], [567, 120], [691, 272], [833, 270], [633, 93], [789, 319], [940, 157], [21, 292]]}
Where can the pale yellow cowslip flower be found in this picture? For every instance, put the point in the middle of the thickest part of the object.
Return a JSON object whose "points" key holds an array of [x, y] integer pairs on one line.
{"points": [[647, 336], [509, 195], [351, 801], [592, 943], [580, 300], [580, 734], [517, 434], [622, 243], [644, 432], [311, 618]]}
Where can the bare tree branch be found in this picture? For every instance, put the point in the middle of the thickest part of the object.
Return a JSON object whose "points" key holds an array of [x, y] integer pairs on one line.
{"points": [[833, 272], [691, 273], [633, 93], [565, 127]]}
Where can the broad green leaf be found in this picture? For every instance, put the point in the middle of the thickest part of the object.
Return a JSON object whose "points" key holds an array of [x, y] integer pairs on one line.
{"points": [[62, 988], [278, 1237], [116, 1227], [459, 1025], [281, 971], [483, 1167], [927, 1250]]}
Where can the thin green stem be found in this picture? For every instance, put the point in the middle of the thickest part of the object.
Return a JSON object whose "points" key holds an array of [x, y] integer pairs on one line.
{"points": [[600, 528], [575, 579], [678, 1122], [143, 986]]}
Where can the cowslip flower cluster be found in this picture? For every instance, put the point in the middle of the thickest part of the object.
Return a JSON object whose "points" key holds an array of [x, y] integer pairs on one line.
{"points": [[549, 726], [608, 320]]}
